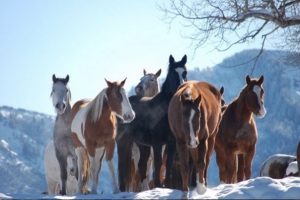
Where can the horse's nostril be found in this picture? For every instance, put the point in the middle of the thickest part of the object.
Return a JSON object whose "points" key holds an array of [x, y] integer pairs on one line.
{"points": [[57, 106]]}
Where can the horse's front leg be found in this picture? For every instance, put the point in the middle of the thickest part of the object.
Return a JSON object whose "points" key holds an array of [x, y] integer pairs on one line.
{"points": [[248, 162], [171, 150], [144, 156], [183, 154], [200, 163], [62, 160], [96, 162], [157, 164], [110, 147]]}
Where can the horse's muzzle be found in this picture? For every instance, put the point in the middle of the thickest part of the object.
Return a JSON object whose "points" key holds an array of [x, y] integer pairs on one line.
{"points": [[127, 118]]}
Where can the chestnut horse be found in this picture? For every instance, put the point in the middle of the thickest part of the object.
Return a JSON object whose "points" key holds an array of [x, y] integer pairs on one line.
{"points": [[237, 134], [94, 130], [147, 87], [150, 127], [194, 115]]}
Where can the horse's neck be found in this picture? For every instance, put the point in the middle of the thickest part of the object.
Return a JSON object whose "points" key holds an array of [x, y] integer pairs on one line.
{"points": [[66, 116], [168, 90], [241, 110]]}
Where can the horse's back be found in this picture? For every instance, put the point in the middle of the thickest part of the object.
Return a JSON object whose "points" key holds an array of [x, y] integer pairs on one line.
{"points": [[77, 106]]}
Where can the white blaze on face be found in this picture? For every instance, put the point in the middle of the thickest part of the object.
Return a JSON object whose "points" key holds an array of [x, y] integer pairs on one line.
{"points": [[59, 97], [262, 112], [127, 111], [194, 141], [180, 71]]}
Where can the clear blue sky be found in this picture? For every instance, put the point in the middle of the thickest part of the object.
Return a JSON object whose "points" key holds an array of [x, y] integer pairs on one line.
{"points": [[89, 40]]}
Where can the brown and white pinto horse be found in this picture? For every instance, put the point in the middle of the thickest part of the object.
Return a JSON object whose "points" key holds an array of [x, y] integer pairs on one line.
{"points": [[237, 134], [94, 130], [194, 116]]}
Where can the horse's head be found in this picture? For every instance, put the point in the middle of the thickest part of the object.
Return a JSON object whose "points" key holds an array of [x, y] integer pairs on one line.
{"points": [[177, 73], [191, 115], [148, 85], [118, 101], [254, 96], [60, 94]]}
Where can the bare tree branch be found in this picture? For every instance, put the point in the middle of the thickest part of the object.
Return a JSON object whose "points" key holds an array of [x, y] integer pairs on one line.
{"points": [[218, 21]]}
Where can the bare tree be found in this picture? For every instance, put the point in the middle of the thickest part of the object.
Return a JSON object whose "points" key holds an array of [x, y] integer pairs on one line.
{"points": [[230, 22]]}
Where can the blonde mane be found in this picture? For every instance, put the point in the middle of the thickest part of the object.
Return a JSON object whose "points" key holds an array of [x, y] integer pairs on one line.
{"points": [[96, 105]]}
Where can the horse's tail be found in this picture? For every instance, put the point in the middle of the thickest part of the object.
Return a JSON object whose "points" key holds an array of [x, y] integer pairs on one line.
{"points": [[86, 170]]}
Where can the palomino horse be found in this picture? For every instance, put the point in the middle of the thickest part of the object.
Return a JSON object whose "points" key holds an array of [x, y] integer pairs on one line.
{"points": [[94, 130], [147, 87], [150, 127], [63, 144], [237, 134], [194, 116], [276, 166], [52, 173]]}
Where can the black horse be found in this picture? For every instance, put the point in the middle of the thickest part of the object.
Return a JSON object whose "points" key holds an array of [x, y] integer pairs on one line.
{"points": [[150, 128]]}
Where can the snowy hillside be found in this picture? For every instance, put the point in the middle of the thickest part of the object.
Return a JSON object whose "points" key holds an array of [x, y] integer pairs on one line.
{"points": [[24, 135]]}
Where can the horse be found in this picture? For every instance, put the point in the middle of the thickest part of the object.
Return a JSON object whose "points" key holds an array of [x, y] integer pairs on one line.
{"points": [[237, 134], [194, 115], [147, 87], [52, 172], [93, 131], [63, 144], [276, 165], [150, 127], [279, 166]]}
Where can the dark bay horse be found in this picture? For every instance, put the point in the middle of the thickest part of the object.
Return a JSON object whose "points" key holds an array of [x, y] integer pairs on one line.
{"points": [[194, 116], [150, 127], [147, 87], [63, 145], [236, 139], [94, 128], [276, 166]]}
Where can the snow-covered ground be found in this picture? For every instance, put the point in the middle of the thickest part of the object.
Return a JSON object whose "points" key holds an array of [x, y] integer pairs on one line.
{"points": [[257, 188]]}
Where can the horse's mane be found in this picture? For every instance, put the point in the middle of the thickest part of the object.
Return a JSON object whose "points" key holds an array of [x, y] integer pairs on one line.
{"points": [[96, 105]]}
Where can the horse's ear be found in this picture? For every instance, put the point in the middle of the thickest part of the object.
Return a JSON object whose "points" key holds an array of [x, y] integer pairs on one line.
{"points": [[157, 74], [67, 79], [171, 59], [222, 90], [54, 79], [109, 84], [248, 80], [123, 82], [144, 71], [261, 79], [184, 59]]}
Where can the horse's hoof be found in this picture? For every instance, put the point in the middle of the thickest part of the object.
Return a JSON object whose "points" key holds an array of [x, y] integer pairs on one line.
{"points": [[185, 195], [201, 189], [62, 192]]}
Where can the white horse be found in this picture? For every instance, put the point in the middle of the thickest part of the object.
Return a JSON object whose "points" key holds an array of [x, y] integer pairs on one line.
{"points": [[63, 145], [52, 172]]}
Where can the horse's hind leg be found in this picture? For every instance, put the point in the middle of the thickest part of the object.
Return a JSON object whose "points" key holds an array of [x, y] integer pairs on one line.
{"points": [[62, 160], [109, 157], [210, 147]]}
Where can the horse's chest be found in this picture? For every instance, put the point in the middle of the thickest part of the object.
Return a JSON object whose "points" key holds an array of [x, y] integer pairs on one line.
{"points": [[246, 133]]}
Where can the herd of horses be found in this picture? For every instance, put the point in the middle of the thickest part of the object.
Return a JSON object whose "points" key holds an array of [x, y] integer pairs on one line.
{"points": [[165, 135]]}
